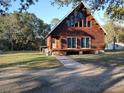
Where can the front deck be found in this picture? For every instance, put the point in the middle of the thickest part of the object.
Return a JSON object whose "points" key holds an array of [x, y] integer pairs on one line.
{"points": [[73, 51]]}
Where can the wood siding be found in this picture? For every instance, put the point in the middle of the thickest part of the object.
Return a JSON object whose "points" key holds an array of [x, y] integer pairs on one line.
{"points": [[62, 31]]}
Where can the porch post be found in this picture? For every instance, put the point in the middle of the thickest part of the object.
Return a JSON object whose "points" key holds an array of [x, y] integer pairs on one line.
{"points": [[49, 43], [60, 43]]}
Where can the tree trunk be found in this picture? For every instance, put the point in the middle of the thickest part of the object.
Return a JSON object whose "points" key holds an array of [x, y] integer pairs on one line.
{"points": [[114, 40], [11, 45]]}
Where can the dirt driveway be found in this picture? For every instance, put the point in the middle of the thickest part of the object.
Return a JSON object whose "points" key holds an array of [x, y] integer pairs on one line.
{"points": [[84, 79]]}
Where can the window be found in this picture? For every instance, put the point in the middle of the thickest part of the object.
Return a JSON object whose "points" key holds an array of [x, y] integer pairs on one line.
{"points": [[82, 42], [68, 23], [88, 23], [85, 42], [76, 24], [84, 22], [72, 21], [80, 16], [80, 23], [71, 42]]}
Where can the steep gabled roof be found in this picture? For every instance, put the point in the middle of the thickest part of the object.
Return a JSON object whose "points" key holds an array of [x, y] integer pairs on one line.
{"points": [[61, 21], [67, 16]]}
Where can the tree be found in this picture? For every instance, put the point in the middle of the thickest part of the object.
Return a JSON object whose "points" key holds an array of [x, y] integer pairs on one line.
{"points": [[108, 27], [121, 34], [115, 33], [32, 29], [22, 31], [54, 22], [8, 26]]}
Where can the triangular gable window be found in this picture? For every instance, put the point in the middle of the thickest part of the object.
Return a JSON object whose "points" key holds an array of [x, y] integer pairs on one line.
{"points": [[75, 19]]}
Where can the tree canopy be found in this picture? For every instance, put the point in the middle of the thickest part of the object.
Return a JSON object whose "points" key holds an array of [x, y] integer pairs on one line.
{"points": [[22, 31], [114, 30], [24, 5], [54, 22], [114, 8]]}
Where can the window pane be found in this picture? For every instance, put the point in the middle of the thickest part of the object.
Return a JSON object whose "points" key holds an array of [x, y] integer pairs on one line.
{"points": [[72, 21], [88, 23], [76, 25], [68, 23], [84, 22], [80, 16], [69, 42], [87, 42], [82, 42], [81, 23], [73, 42]]}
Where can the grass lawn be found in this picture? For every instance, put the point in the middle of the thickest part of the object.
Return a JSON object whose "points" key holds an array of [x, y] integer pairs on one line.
{"points": [[29, 60], [107, 59]]}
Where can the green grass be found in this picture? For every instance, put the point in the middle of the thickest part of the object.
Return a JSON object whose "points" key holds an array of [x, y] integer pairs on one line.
{"points": [[30, 60], [107, 59]]}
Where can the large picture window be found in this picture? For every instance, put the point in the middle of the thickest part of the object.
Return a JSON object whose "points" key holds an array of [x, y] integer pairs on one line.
{"points": [[85, 42], [71, 42]]}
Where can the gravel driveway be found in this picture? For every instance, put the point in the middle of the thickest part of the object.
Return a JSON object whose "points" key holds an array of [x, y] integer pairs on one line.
{"points": [[79, 79]]}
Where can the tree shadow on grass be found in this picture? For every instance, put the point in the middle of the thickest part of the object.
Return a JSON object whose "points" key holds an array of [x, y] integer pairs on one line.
{"points": [[26, 83]]}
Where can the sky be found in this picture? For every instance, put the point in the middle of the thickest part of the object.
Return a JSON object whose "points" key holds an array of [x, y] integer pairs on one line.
{"points": [[45, 11]]}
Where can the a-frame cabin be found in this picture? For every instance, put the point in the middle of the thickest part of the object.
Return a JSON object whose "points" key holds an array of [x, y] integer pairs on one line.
{"points": [[76, 33]]}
